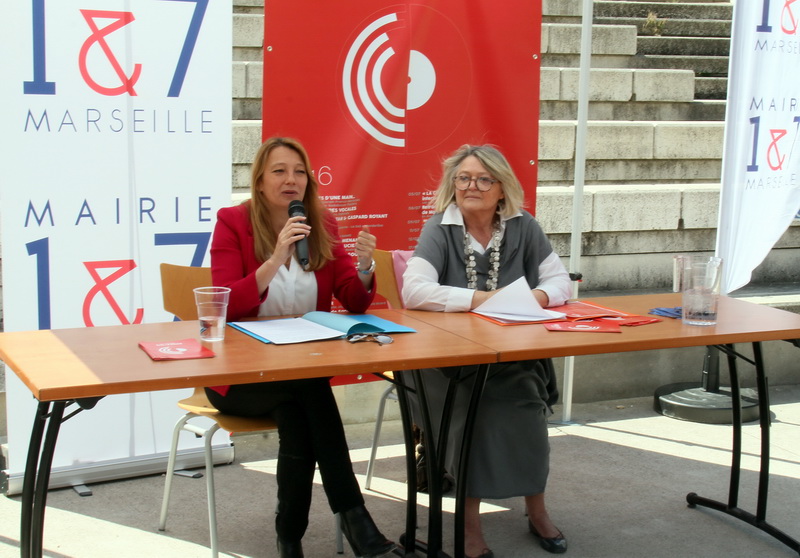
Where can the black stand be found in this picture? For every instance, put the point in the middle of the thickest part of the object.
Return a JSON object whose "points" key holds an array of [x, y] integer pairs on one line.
{"points": [[706, 401], [44, 434], [732, 507], [435, 458]]}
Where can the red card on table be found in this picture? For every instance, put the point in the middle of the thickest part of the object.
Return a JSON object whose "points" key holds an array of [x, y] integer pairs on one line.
{"points": [[587, 326], [630, 320], [175, 350]]}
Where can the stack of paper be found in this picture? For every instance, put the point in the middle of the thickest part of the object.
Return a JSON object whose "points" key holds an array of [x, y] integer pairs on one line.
{"points": [[516, 304]]}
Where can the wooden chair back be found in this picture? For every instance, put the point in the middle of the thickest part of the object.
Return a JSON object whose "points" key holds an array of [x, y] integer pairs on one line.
{"points": [[177, 288], [389, 268]]}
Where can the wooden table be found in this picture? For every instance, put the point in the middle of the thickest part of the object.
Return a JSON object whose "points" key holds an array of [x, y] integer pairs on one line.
{"points": [[77, 366], [65, 366], [738, 322]]}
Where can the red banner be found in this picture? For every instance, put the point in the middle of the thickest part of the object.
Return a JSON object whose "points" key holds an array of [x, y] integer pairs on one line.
{"points": [[381, 92]]}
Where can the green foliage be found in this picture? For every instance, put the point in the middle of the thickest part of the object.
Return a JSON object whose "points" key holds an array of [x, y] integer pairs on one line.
{"points": [[652, 25]]}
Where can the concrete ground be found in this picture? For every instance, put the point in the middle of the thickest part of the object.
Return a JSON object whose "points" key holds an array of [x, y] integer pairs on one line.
{"points": [[619, 478]]}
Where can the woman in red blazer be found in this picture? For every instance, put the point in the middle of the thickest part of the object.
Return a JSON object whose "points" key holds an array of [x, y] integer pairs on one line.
{"points": [[254, 252]]}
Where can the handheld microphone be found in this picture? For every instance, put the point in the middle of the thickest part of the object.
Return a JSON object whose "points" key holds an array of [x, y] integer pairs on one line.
{"points": [[297, 209]]}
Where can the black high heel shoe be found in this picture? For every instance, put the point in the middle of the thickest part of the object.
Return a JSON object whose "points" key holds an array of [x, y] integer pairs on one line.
{"points": [[363, 535], [290, 549], [556, 545]]}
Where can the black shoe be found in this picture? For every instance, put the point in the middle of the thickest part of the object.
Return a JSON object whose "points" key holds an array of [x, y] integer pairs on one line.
{"points": [[485, 553], [288, 549], [363, 535], [556, 545]]}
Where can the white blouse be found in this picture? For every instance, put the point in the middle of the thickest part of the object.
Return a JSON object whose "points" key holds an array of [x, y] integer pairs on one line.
{"points": [[291, 291]]}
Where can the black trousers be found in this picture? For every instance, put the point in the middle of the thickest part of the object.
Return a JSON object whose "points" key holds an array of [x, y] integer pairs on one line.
{"points": [[310, 432]]}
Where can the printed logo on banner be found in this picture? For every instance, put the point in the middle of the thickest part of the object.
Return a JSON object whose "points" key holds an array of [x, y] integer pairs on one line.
{"points": [[118, 96], [116, 154], [380, 91], [40, 85], [775, 130], [405, 90], [760, 193]]}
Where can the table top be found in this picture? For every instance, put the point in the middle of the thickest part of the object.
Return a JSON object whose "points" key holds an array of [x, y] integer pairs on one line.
{"points": [[738, 321], [90, 362]]}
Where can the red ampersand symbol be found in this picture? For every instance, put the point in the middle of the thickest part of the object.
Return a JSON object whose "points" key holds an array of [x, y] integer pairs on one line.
{"points": [[120, 19], [787, 15], [772, 151], [101, 286]]}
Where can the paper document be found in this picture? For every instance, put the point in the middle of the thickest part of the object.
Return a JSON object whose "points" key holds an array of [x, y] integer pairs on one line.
{"points": [[516, 303]]}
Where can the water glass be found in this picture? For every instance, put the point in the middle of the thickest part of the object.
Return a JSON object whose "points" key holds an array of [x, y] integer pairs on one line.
{"points": [[698, 278], [212, 307]]}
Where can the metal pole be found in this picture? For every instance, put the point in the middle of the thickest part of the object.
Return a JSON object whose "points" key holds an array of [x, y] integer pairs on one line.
{"points": [[580, 173]]}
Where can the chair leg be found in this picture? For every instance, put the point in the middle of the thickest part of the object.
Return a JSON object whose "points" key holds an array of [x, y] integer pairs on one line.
{"points": [[377, 434], [212, 499], [339, 538], [173, 451]]}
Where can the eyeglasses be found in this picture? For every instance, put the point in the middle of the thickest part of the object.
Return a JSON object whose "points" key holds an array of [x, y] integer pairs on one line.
{"points": [[483, 183], [379, 338]]}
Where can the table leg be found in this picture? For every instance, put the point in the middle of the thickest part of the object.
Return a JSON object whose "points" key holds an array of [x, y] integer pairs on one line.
{"points": [[466, 445], [731, 508], [434, 456], [29, 480], [407, 540], [47, 421], [435, 452]]}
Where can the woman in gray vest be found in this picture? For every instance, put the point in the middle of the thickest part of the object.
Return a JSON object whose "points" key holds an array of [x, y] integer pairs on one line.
{"points": [[479, 240]]}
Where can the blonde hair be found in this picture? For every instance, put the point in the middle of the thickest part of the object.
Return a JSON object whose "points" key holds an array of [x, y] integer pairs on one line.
{"points": [[495, 163], [320, 242]]}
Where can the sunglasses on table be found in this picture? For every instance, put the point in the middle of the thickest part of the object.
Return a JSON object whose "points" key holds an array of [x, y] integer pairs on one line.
{"points": [[379, 338]]}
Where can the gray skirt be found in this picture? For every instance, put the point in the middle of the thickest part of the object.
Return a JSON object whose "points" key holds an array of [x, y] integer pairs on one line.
{"points": [[510, 453]]}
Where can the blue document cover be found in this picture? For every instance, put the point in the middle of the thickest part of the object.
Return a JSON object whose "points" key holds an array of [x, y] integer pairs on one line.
{"points": [[315, 326]]}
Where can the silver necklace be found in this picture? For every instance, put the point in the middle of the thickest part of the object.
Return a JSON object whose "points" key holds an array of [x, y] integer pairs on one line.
{"points": [[494, 260]]}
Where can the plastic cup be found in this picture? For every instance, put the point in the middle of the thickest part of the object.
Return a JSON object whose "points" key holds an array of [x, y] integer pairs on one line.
{"points": [[700, 279], [212, 307]]}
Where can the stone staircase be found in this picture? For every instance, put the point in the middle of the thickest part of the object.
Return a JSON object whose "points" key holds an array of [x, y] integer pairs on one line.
{"points": [[683, 45]]}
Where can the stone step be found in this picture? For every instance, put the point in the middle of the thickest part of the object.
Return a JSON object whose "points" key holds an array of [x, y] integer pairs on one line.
{"points": [[707, 88], [248, 37], [701, 65], [672, 27], [608, 40], [658, 207], [248, 6], [688, 1], [607, 84], [570, 11], [625, 152], [603, 172], [706, 108], [684, 46], [665, 10]]}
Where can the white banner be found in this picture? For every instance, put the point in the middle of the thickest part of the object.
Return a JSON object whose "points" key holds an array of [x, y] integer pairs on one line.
{"points": [[761, 162], [116, 126]]}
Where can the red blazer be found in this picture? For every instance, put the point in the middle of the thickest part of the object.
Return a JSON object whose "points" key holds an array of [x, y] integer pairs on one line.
{"points": [[233, 264]]}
